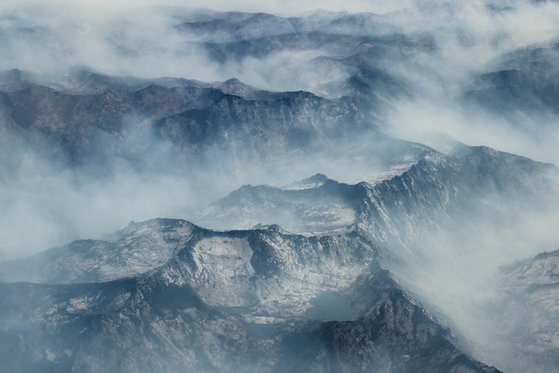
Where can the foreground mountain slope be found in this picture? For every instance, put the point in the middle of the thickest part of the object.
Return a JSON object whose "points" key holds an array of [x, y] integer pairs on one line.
{"points": [[393, 334], [226, 301], [267, 288]]}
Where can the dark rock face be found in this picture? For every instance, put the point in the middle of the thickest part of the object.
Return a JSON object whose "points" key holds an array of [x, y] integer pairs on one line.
{"points": [[295, 120], [392, 335], [92, 122]]}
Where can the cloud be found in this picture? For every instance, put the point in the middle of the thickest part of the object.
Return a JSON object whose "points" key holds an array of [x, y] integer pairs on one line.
{"points": [[272, 6]]}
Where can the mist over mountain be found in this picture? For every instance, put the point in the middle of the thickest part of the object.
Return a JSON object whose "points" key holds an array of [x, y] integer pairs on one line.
{"points": [[357, 186]]}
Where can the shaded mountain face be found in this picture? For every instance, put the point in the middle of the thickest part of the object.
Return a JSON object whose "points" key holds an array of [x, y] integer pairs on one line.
{"points": [[222, 301], [526, 81], [100, 117]]}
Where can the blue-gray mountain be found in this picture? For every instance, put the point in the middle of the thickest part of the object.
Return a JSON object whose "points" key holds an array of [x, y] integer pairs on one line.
{"points": [[99, 117], [217, 301], [167, 295], [524, 81]]}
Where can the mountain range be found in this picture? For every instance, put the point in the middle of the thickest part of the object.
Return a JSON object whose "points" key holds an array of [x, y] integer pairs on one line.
{"points": [[336, 243]]}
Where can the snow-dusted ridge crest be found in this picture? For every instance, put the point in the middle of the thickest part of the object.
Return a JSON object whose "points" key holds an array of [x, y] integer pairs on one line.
{"points": [[269, 269], [137, 249], [431, 184]]}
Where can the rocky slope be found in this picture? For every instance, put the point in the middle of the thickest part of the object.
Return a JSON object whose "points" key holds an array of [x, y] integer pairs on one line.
{"points": [[224, 301], [266, 299], [435, 192]]}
